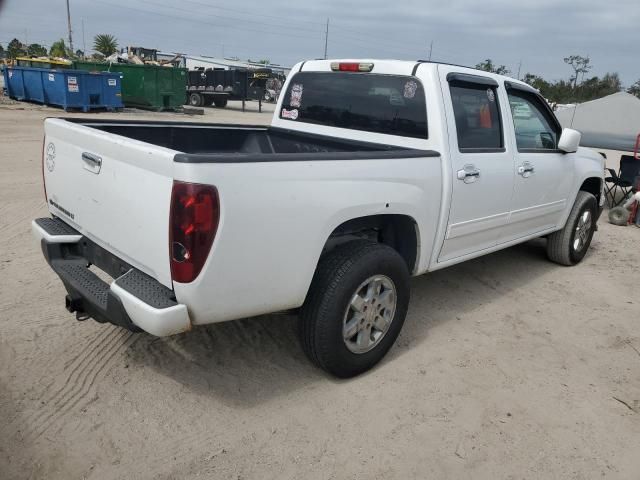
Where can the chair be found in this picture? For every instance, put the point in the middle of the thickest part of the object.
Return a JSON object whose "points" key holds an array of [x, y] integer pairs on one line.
{"points": [[623, 181]]}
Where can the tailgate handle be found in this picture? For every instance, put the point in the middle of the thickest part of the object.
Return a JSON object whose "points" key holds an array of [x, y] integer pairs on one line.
{"points": [[92, 162]]}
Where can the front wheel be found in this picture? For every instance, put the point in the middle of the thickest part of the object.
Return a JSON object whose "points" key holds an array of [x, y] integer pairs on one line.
{"points": [[355, 307], [569, 245]]}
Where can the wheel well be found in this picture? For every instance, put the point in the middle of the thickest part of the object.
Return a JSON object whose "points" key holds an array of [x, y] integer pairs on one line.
{"points": [[400, 232], [593, 185]]}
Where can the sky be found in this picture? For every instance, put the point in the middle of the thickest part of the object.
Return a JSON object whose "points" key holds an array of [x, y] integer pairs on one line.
{"points": [[531, 36]]}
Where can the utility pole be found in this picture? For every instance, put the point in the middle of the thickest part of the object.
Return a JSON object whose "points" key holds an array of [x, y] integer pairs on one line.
{"points": [[519, 67], [84, 44], [69, 27], [430, 50], [326, 39]]}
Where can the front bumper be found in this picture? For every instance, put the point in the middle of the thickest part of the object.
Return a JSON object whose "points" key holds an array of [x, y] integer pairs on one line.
{"points": [[133, 300]]}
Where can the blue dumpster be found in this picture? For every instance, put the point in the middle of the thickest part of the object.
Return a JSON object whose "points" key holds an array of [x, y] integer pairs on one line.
{"points": [[64, 88]]}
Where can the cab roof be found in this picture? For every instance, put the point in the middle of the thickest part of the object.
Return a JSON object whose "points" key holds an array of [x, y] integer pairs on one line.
{"points": [[400, 67]]}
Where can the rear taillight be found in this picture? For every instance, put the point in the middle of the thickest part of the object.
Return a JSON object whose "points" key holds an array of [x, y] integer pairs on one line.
{"points": [[193, 222], [44, 185], [351, 67]]}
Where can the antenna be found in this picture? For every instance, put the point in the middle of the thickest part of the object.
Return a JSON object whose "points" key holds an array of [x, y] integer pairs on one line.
{"points": [[326, 39], [430, 50], [575, 108]]}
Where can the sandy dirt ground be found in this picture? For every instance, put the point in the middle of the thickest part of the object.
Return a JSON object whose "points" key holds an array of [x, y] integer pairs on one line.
{"points": [[508, 367]]}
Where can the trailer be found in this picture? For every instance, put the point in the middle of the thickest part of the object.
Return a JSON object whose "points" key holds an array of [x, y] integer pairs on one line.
{"points": [[216, 86]]}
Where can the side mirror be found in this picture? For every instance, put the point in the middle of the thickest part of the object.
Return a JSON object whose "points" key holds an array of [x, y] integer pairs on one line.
{"points": [[569, 140]]}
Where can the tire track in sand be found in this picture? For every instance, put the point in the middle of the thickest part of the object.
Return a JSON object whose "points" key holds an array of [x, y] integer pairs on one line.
{"points": [[89, 364]]}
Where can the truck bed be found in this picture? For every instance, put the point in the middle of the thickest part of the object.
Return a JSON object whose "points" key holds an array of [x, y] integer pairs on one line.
{"points": [[246, 141]]}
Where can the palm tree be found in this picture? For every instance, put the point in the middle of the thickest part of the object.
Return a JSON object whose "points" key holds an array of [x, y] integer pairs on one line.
{"points": [[105, 44], [59, 49]]}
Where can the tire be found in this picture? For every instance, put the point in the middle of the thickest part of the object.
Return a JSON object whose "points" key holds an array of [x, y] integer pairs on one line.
{"points": [[220, 102], [567, 246], [619, 216], [196, 100], [341, 275]]}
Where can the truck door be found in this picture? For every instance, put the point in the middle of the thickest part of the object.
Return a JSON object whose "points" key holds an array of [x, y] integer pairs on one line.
{"points": [[543, 174], [481, 160]]}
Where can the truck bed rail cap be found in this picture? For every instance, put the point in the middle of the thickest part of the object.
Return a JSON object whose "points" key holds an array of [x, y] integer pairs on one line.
{"points": [[300, 157]]}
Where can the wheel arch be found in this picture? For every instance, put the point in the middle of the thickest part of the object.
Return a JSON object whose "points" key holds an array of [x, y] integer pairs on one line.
{"points": [[593, 185], [398, 231]]}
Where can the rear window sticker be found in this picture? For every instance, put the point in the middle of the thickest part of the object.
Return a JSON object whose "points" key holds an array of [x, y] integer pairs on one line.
{"points": [[289, 114], [296, 95], [410, 89], [490, 95]]}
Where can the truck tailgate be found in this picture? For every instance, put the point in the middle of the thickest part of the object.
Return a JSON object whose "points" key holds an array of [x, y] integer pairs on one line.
{"points": [[114, 190]]}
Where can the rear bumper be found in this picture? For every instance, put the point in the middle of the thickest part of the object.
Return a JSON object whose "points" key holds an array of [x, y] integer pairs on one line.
{"points": [[133, 300]]}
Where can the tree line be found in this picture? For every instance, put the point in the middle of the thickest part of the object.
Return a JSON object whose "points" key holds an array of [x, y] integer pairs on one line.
{"points": [[576, 88], [103, 44]]}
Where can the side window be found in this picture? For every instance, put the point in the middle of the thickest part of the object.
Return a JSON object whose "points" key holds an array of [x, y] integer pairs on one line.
{"points": [[477, 114], [534, 127]]}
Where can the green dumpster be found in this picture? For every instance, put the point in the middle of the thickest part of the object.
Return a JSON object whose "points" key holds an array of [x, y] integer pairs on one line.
{"points": [[146, 86]]}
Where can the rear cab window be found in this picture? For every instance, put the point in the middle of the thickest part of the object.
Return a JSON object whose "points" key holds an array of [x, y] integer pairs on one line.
{"points": [[389, 104]]}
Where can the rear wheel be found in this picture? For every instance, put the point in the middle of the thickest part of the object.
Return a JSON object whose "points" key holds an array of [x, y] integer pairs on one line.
{"points": [[355, 308], [195, 100], [569, 245]]}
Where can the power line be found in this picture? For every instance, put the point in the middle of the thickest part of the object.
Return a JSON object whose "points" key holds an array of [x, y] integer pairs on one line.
{"points": [[367, 41], [196, 20], [222, 17], [245, 12], [395, 47]]}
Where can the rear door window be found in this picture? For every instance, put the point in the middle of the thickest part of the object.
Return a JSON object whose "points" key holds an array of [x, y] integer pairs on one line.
{"points": [[389, 104], [477, 116]]}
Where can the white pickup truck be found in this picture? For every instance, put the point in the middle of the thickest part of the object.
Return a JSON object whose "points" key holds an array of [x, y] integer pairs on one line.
{"points": [[371, 171]]}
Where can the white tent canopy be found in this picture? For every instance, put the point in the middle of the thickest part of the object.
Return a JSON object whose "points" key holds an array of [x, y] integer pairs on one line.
{"points": [[611, 122]]}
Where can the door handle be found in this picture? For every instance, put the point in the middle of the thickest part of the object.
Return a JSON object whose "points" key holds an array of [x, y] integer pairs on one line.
{"points": [[92, 162], [469, 174], [526, 169]]}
